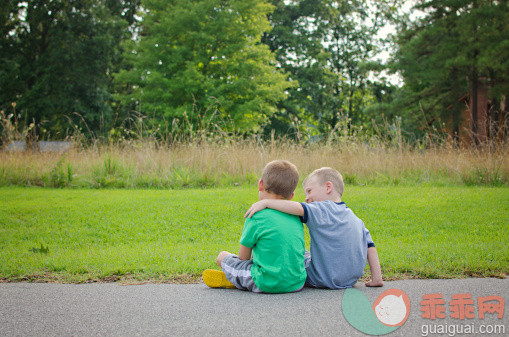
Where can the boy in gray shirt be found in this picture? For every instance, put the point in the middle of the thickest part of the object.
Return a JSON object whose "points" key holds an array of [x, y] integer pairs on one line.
{"points": [[340, 244]]}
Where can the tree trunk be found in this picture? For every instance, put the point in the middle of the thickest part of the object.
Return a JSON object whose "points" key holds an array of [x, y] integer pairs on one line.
{"points": [[474, 98]]}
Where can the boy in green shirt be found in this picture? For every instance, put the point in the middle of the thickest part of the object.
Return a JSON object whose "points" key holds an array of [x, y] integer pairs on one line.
{"points": [[271, 254]]}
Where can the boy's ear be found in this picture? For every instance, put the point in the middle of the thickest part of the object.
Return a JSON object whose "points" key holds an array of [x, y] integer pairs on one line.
{"points": [[329, 187], [291, 197], [260, 186]]}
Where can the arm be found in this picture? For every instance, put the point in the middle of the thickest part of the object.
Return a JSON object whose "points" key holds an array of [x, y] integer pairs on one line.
{"points": [[245, 253], [374, 266], [285, 206]]}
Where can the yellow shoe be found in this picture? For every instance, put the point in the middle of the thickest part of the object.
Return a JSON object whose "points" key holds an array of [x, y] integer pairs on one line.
{"points": [[216, 279]]}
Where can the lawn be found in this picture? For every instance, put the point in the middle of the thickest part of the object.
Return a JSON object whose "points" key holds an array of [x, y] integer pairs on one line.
{"points": [[80, 235]]}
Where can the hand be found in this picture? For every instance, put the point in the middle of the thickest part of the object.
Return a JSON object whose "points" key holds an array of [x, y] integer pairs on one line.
{"points": [[256, 207], [375, 283]]}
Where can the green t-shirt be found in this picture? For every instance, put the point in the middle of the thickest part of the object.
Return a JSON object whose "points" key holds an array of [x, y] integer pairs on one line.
{"points": [[277, 240]]}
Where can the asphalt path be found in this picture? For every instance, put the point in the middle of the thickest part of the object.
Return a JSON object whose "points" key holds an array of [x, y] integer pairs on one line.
{"points": [[110, 309]]}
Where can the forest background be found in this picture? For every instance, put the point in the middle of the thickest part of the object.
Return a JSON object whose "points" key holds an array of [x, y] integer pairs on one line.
{"points": [[293, 68], [157, 93]]}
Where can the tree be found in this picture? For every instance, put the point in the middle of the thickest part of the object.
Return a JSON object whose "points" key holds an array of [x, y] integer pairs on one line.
{"points": [[59, 56], [443, 55], [327, 47], [297, 41], [197, 58]]}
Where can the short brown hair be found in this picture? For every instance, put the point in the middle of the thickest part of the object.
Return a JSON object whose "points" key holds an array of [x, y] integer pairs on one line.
{"points": [[280, 177], [326, 174]]}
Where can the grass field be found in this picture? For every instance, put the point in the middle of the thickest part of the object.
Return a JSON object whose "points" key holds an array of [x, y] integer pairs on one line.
{"points": [[81, 235]]}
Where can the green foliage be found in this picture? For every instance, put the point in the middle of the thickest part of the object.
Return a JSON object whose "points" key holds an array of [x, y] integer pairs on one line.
{"points": [[326, 46], [60, 175], [41, 250], [197, 57], [110, 173], [57, 56], [94, 69], [443, 55], [159, 235]]}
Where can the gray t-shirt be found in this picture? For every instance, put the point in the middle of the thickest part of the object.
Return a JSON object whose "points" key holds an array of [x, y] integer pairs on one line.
{"points": [[339, 245]]}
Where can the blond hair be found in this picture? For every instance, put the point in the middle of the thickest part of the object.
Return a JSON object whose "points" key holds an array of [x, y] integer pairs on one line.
{"points": [[326, 174], [280, 177]]}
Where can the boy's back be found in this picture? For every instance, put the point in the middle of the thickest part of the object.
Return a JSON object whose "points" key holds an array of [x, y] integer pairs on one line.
{"points": [[339, 244], [277, 240]]}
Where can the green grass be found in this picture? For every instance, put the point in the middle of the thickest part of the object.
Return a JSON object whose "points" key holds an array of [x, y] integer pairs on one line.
{"points": [[79, 235]]}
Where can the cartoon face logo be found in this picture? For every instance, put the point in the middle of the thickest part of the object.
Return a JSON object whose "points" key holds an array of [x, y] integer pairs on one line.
{"points": [[392, 307], [388, 313]]}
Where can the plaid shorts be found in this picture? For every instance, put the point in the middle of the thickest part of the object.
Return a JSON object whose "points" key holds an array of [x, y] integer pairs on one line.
{"points": [[238, 272], [307, 262]]}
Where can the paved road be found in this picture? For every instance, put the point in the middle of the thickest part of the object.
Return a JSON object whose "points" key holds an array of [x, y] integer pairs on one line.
{"points": [[190, 310]]}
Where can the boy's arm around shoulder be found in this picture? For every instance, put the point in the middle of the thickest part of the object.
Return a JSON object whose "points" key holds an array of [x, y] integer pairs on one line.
{"points": [[285, 206]]}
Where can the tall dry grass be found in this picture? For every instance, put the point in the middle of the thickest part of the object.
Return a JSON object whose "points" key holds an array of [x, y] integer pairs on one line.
{"points": [[183, 154], [222, 162]]}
